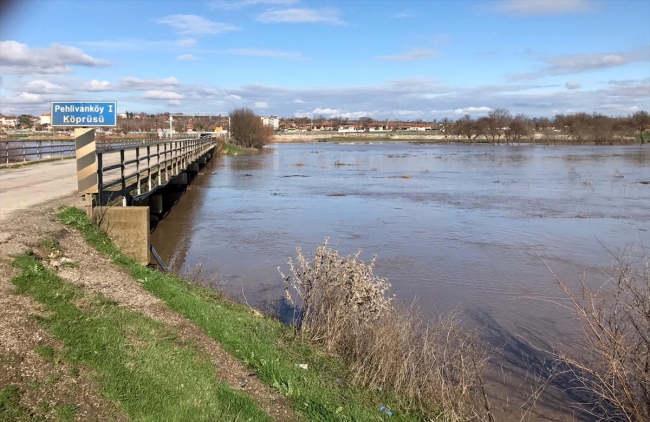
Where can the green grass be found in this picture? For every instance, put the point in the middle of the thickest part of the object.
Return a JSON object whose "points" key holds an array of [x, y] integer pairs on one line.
{"points": [[230, 149], [139, 363], [51, 244], [10, 408], [65, 412], [320, 393]]}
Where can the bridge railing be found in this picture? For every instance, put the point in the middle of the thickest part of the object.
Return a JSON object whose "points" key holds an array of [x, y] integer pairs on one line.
{"points": [[14, 151], [133, 170]]}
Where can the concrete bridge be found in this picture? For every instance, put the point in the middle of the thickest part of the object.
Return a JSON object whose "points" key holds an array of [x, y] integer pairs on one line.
{"points": [[128, 186]]}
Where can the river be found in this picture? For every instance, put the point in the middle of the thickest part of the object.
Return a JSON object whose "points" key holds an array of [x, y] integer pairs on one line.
{"points": [[463, 227]]}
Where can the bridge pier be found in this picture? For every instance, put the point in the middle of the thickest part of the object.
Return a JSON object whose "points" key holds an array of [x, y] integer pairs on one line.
{"points": [[128, 228]]}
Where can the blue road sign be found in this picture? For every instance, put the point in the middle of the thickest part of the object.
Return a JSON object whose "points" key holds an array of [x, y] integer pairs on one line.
{"points": [[84, 113]]}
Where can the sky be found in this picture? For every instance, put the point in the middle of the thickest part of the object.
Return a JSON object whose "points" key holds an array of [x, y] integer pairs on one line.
{"points": [[408, 60]]}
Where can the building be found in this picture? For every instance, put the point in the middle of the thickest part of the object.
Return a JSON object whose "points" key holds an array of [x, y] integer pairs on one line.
{"points": [[271, 121], [9, 121], [46, 119]]}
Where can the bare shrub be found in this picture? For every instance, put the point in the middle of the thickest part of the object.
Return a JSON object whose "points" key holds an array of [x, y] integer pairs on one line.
{"points": [[199, 276], [613, 371], [434, 366]]}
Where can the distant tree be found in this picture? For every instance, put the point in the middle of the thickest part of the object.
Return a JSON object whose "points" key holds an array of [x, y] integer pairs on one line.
{"points": [[498, 122], [446, 127], [466, 127], [483, 127], [25, 119], [247, 129], [519, 128], [639, 121]]}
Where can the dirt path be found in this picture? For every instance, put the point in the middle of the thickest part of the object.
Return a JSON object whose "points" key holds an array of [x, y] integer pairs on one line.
{"points": [[20, 335]]}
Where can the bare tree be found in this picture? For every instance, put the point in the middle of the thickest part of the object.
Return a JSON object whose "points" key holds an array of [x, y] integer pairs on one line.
{"points": [[519, 128], [499, 120], [466, 127], [640, 121], [247, 129], [447, 127]]}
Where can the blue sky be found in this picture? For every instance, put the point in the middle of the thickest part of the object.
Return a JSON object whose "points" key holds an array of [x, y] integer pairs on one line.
{"points": [[424, 59]]}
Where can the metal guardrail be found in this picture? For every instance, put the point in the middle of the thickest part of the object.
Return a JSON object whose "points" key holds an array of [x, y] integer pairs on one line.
{"points": [[21, 151], [143, 167]]}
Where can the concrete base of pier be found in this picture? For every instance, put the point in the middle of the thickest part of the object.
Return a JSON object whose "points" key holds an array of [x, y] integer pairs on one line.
{"points": [[128, 228]]}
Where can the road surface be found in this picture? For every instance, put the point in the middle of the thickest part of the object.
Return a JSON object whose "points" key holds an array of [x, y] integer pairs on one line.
{"points": [[26, 186]]}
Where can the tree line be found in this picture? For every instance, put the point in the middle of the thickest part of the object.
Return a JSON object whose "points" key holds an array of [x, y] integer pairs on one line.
{"points": [[501, 126]]}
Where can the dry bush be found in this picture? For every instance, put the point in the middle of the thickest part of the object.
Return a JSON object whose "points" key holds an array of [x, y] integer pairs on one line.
{"points": [[434, 366], [199, 276], [613, 370]]}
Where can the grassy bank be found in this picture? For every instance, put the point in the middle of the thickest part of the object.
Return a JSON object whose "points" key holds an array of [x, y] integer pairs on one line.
{"points": [[317, 385], [231, 149], [139, 363]]}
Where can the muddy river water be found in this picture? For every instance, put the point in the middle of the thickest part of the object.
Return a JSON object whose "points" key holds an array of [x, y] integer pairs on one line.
{"points": [[454, 226]]}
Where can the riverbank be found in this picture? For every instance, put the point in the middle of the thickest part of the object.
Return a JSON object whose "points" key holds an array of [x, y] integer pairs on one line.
{"points": [[88, 334], [436, 138]]}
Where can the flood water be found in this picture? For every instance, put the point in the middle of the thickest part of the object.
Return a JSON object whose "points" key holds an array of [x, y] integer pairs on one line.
{"points": [[455, 226]]}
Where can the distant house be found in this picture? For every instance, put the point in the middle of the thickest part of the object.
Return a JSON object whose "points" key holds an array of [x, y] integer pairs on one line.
{"points": [[9, 121], [271, 121], [46, 119]]}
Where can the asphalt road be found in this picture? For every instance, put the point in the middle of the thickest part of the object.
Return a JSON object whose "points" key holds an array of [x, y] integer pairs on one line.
{"points": [[29, 185], [26, 186]]}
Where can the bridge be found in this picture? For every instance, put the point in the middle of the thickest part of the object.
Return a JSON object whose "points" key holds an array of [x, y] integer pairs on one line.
{"points": [[128, 184]]}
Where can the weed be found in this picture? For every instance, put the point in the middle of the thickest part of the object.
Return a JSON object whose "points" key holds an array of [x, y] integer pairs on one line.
{"points": [[65, 412], [45, 351], [51, 244]]}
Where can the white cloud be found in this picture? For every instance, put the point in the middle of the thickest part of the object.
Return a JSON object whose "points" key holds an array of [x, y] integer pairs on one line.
{"points": [[410, 56], [578, 63], [44, 87], [329, 112], [162, 95], [187, 57], [543, 7], [328, 15], [97, 86], [17, 58], [234, 97], [572, 85], [408, 113], [261, 104], [136, 84], [260, 52], [24, 98], [187, 42], [193, 24], [298, 101], [239, 4], [472, 110]]}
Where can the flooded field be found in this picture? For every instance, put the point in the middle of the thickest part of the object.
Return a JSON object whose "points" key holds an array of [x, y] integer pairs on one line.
{"points": [[464, 227]]}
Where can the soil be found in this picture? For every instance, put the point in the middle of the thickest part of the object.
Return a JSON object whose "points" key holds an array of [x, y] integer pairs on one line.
{"points": [[57, 382]]}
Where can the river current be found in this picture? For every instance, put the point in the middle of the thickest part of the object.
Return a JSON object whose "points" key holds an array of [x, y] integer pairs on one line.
{"points": [[457, 227]]}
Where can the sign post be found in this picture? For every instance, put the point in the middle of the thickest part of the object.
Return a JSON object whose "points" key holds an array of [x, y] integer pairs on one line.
{"points": [[84, 113], [84, 116]]}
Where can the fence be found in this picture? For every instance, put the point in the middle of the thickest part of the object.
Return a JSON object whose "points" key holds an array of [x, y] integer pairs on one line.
{"points": [[132, 171], [21, 151]]}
